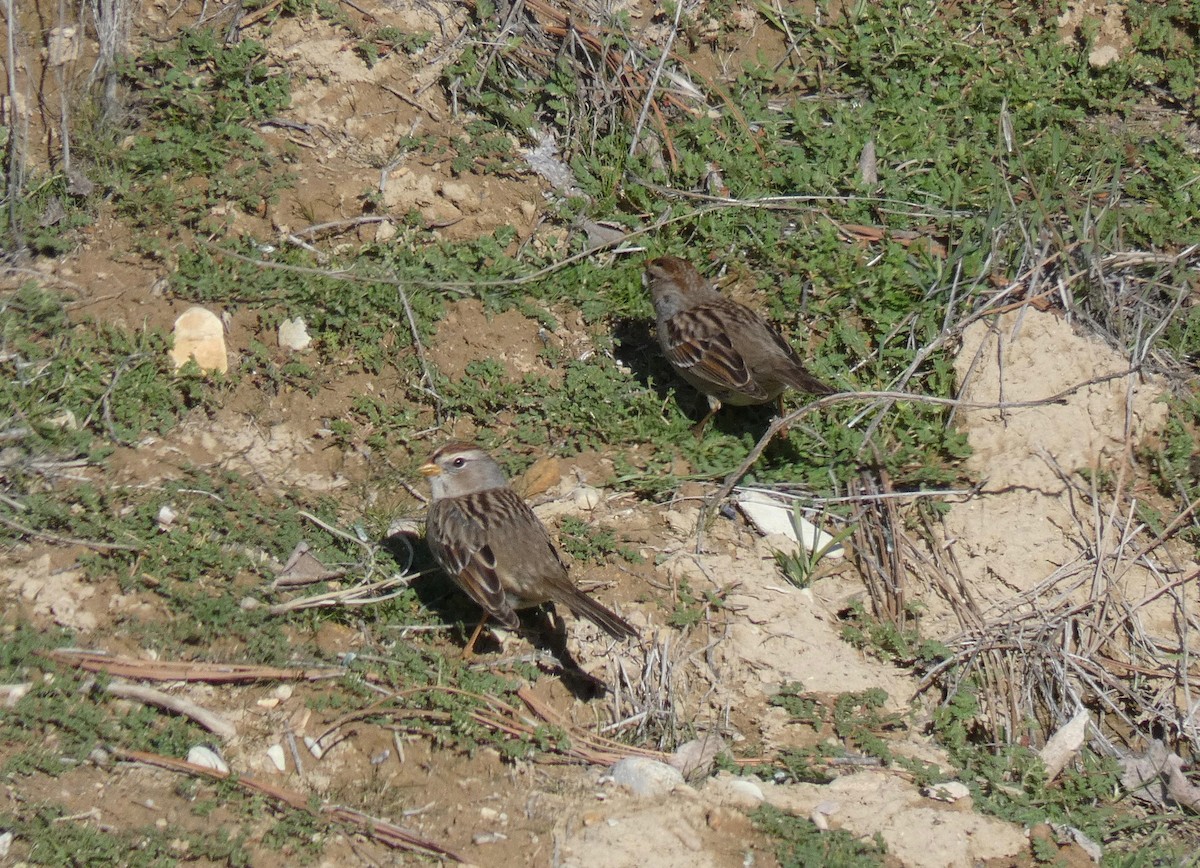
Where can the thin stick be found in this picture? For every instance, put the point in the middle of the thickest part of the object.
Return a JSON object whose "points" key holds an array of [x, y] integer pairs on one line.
{"points": [[652, 87], [16, 156], [217, 724], [780, 423], [67, 540], [171, 670], [426, 372]]}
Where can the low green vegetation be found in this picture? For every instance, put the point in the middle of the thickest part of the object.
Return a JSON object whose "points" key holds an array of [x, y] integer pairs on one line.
{"points": [[800, 843], [880, 171]]}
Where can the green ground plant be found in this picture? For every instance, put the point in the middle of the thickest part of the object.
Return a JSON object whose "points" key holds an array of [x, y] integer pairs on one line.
{"points": [[996, 144]]}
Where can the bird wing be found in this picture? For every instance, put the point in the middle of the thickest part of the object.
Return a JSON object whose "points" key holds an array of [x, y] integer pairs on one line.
{"points": [[463, 549], [698, 344]]}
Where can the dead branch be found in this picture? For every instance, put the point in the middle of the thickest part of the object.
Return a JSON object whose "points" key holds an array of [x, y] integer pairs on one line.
{"points": [[167, 670], [215, 723]]}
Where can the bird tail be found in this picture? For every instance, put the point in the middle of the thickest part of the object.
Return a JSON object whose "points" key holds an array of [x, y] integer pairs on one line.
{"points": [[610, 622], [805, 382]]}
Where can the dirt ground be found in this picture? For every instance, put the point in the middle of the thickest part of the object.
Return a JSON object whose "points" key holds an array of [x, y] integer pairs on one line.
{"points": [[1023, 527]]}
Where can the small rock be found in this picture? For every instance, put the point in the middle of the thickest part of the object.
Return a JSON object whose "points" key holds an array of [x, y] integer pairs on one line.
{"points": [[541, 476], [463, 195], [13, 693], [200, 335], [277, 757], [948, 791], [743, 793], [489, 838], [208, 758], [385, 231], [284, 692], [645, 777], [1103, 56], [1070, 833], [682, 521], [1065, 743], [587, 498], [314, 746], [166, 517], [696, 756], [248, 603], [65, 420], [294, 336]]}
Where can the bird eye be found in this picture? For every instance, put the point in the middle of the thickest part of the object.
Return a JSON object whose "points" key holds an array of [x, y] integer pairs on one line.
{"points": [[459, 462]]}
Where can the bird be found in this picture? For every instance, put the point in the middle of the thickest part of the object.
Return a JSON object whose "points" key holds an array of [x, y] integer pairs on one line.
{"points": [[722, 348], [485, 536]]}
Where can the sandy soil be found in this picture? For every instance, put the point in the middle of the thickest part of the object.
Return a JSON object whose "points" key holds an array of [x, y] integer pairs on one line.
{"points": [[1024, 528]]}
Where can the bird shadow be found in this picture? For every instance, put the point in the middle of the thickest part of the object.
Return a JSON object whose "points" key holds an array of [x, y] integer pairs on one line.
{"points": [[637, 347], [438, 593]]}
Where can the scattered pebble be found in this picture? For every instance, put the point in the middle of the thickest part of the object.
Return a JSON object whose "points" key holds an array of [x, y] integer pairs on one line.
{"points": [[696, 756], [489, 837], [294, 336], [645, 777], [166, 517], [199, 334], [277, 757], [314, 746], [12, 693], [207, 758], [587, 498], [284, 692], [948, 791], [737, 792], [64, 419]]}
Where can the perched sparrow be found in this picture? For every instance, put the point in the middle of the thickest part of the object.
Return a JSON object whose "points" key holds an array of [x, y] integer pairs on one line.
{"points": [[487, 538], [723, 348]]}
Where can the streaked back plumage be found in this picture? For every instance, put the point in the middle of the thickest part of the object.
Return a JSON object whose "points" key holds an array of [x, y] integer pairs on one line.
{"points": [[492, 544]]}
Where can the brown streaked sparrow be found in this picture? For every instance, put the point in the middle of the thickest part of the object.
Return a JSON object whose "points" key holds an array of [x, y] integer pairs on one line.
{"points": [[490, 542], [721, 347]]}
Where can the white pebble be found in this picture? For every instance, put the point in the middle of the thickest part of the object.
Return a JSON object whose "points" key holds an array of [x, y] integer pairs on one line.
{"points": [[586, 497], [277, 757], [950, 791], [645, 777], [207, 757], [166, 517]]}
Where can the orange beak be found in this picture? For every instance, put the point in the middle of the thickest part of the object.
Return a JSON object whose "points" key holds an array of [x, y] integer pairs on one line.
{"points": [[430, 469]]}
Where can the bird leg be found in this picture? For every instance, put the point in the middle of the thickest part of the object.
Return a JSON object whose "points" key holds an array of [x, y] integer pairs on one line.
{"points": [[713, 406], [783, 431], [469, 651]]}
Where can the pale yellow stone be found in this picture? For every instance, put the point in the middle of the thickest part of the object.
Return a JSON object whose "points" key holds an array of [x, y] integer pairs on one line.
{"points": [[200, 335]]}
